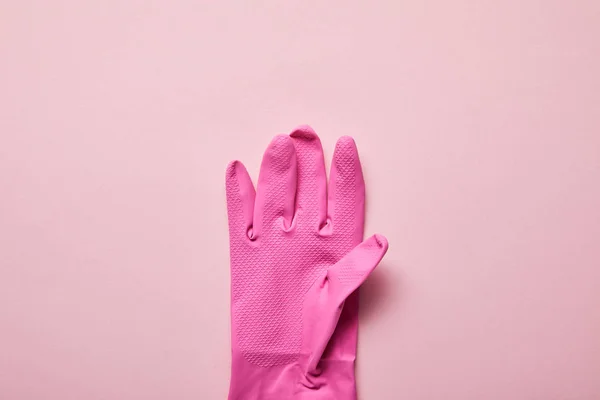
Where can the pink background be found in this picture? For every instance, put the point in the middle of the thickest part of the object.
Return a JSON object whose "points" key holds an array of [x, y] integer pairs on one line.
{"points": [[478, 124]]}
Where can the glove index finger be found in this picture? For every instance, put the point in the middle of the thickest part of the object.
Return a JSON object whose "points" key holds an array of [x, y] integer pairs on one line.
{"points": [[346, 196]]}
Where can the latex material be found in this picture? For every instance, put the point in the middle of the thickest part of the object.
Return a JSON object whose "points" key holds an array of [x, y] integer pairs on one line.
{"points": [[296, 262]]}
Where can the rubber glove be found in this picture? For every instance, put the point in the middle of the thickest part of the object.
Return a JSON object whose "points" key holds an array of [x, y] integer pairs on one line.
{"points": [[296, 263]]}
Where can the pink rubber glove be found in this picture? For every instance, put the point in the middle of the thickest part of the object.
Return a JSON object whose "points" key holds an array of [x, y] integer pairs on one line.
{"points": [[296, 262]]}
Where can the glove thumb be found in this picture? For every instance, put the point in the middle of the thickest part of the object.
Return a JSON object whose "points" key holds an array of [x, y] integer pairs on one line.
{"points": [[325, 299]]}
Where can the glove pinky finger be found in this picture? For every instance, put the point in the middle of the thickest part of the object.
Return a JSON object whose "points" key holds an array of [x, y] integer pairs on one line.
{"points": [[240, 200]]}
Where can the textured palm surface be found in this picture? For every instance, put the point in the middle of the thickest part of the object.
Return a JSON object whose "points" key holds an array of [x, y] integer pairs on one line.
{"points": [[286, 235]]}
